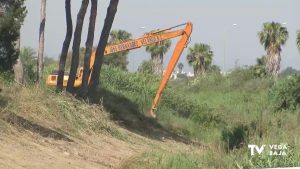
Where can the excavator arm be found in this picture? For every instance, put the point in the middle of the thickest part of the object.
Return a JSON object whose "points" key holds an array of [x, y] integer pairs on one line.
{"points": [[145, 40], [181, 44]]}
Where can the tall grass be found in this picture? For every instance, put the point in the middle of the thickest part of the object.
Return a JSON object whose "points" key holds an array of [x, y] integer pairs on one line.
{"points": [[226, 112]]}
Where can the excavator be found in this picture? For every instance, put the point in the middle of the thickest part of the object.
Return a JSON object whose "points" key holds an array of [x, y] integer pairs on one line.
{"points": [[145, 40]]}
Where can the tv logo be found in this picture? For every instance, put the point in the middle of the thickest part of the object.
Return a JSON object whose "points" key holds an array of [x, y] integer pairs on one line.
{"points": [[272, 149], [256, 148]]}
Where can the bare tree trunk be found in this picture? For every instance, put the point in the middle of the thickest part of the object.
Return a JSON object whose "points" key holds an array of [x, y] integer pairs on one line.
{"points": [[41, 41], [66, 45], [76, 45], [110, 16], [88, 48]]}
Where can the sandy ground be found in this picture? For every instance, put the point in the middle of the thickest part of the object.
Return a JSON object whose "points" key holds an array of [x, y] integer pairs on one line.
{"points": [[29, 150]]}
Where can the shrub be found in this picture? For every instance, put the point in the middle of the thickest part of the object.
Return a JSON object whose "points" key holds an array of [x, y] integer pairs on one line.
{"points": [[28, 59], [236, 137], [6, 77], [239, 77], [146, 67], [285, 93]]}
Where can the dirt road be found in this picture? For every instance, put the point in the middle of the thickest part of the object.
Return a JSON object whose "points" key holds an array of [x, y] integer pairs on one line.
{"points": [[29, 150]]}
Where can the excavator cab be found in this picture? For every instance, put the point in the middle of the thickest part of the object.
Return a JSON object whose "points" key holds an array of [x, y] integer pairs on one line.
{"points": [[52, 78]]}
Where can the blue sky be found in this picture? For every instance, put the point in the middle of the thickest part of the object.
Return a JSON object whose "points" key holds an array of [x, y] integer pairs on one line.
{"points": [[213, 24]]}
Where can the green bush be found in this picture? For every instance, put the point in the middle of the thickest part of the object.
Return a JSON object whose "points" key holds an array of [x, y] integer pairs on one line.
{"points": [[146, 67], [236, 137], [285, 93], [163, 160], [6, 77], [28, 59], [238, 77]]}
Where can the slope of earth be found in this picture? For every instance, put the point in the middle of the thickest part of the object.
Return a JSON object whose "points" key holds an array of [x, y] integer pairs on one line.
{"points": [[40, 129]]}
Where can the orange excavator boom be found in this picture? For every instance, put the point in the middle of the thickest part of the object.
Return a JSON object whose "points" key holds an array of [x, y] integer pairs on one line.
{"points": [[146, 40], [181, 44]]}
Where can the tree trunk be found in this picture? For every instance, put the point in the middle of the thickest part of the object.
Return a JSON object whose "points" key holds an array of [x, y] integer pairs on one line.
{"points": [[273, 64], [157, 64], [18, 66], [66, 45], [18, 71], [197, 70], [110, 15], [88, 48], [41, 41], [76, 45]]}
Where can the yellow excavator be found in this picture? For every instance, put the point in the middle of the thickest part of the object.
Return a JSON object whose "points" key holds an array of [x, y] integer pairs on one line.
{"points": [[146, 40]]}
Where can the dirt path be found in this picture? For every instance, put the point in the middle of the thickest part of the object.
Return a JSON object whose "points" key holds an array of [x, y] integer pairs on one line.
{"points": [[28, 150]]}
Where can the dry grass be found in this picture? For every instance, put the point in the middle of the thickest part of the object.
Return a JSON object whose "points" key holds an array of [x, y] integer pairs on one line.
{"points": [[58, 112]]}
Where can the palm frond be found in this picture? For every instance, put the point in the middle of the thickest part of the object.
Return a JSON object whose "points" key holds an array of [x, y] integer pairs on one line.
{"points": [[200, 56]]}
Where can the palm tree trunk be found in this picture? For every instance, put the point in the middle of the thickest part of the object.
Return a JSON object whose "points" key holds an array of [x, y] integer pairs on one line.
{"points": [[76, 45], [273, 64], [196, 70], [277, 65], [110, 16], [157, 64], [18, 71], [88, 48], [66, 45], [41, 41]]}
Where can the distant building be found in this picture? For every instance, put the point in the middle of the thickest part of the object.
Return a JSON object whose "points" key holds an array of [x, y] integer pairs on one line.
{"points": [[175, 74], [225, 73], [1, 11], [190, 74]]}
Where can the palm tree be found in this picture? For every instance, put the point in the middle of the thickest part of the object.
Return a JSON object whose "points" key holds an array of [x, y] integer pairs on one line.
{"points": [[298, 39], [66, 45], [180, 67], [157, 51], [272, 37], [41, 41], [117, 36], [76, 45], [118, 59], [88, 48], [200, 57], [109, 19]]}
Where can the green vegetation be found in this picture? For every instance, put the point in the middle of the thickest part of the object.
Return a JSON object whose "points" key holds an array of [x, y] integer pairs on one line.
{"points": [[163, 160], [273, 37], [226, 113], [284, 94], [11, 21], [42, 108], [118, 59], [220, 115], [28, 59], [200, 58], [157, 51], [146, 67]]}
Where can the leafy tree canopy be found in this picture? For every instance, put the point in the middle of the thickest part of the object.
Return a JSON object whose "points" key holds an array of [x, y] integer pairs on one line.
{"points": [[118, 59], [11, 20]]}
